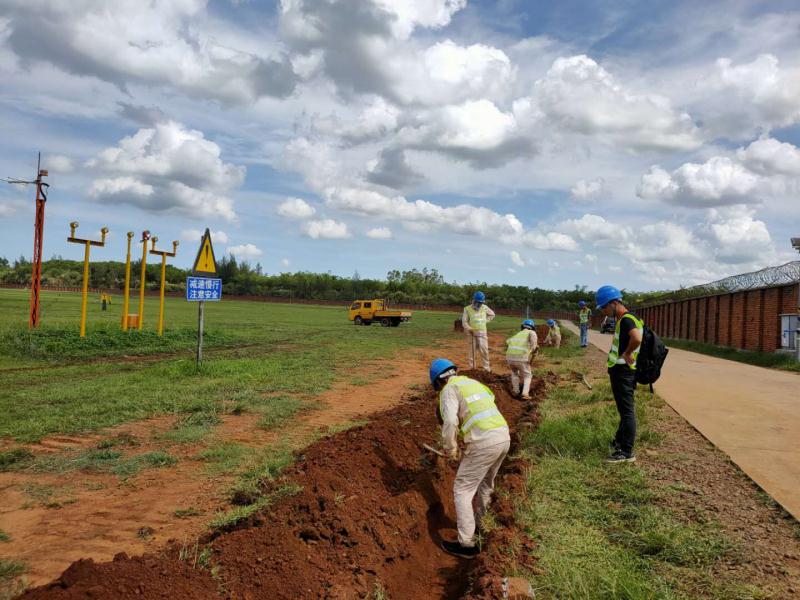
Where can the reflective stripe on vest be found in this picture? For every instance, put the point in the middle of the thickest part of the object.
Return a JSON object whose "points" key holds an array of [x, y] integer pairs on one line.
{"points": [[583, 315], [481, 409], [477, 318], [518, 345], [613, 356]]}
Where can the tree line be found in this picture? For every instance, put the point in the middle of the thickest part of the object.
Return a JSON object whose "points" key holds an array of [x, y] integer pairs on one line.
{"points": [[240, 278]]}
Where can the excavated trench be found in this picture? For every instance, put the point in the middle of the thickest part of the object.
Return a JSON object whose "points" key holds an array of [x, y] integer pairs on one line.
{"points": [[368, 518]]}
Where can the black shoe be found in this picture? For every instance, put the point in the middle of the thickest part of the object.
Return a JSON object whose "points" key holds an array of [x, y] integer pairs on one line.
{"points": [[613, 446], [620, 457], [457, 549]]}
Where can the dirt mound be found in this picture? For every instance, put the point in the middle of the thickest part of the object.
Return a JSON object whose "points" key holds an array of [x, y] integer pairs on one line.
{"points": [[371, 511]]}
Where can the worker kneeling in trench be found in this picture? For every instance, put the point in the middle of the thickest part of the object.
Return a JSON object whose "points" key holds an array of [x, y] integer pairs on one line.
{"points": [[467, 407]]}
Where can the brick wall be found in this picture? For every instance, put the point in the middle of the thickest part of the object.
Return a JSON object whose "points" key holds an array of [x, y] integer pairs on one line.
{"points": [[748, 320]]}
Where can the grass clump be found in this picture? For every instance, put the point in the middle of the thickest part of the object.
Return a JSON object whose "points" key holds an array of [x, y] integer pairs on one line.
{"points": [[5, 536], [192, 428], [234, 516], [102, 461], [15, 458], [185, 513], [10, 569], [277, 410], [224, 457]]}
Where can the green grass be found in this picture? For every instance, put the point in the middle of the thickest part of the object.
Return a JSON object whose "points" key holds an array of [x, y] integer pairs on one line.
{"points": [[185, 513], [96, 460], [5, 536], [263, 350], [277, 410], [223, 457], [602, 530], [770, 360], [14, 458], [11, 568], [230, 518]]}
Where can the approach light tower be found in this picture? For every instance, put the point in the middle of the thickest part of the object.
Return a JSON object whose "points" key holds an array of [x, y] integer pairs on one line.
{"points": [[38, 233]]}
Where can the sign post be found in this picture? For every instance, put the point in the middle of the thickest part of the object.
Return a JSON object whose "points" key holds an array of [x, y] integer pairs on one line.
{"points": [[203, 285]]}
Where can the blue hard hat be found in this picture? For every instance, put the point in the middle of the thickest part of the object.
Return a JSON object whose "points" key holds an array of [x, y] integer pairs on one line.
{"points": [[606, 294], [581, 303], [551, 322], [529, 323], [439, 366], [479, 297]]}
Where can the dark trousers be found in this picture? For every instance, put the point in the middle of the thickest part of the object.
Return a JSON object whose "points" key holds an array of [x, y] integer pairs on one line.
{"points": [[623, 385]]}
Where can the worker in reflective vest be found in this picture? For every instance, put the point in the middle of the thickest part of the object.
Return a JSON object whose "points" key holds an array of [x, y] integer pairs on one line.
{"points": [[584, 312], [518, 356], [628, 333], [553, 337], [467, 409], [474, 320]]}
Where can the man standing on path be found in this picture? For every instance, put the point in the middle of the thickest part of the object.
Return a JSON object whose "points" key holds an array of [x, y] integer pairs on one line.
{"points": [[467, 408], [474, 319], [518, 355], [628, 333], [583, 321]]}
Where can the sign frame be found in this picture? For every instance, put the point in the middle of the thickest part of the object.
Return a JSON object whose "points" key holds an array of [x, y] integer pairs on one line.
{"points": [[206, 239]]}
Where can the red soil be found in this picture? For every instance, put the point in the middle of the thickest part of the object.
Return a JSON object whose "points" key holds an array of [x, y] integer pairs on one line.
{"points": [[370, 514]]}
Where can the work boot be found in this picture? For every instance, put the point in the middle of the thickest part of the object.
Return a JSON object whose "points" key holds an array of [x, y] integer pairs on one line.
{"points": [[621, 457], [456, 549]]}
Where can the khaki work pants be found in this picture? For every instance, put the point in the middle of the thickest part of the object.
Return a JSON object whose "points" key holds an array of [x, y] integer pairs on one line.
{"points": [[473, 487], [520, 369], [555, 340], [478, 349]]}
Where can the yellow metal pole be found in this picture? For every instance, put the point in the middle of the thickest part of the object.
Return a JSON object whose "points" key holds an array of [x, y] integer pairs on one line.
{"points": [[85, 287], [145, 237], [126, 299], [161, 307]]}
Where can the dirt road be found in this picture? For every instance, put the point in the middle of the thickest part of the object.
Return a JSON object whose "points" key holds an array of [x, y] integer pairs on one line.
{"points": [[750, 413]]}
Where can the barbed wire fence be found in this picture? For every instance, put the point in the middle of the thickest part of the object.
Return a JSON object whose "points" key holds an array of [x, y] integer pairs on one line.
{"points": [[786, 274]]}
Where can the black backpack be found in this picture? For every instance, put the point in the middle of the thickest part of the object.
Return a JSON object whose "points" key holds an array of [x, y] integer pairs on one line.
{"points": [[652, 355]]}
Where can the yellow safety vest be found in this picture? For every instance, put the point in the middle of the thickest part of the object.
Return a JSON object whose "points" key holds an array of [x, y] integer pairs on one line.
{"points": [[477, 318], [519, 345], [583, 315], [481, 409], [613, 355]]}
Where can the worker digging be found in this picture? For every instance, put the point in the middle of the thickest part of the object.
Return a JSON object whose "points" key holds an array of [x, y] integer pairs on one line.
{"points": [[474, 320], [553, 337], [520, 349], [467, 408], [628, 332]]}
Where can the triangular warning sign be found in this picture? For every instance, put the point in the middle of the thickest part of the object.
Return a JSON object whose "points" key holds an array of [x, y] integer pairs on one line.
{"points": [[205, 263]]}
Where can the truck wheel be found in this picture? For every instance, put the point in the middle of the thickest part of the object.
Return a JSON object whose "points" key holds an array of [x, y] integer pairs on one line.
{"points": [[395, 322], [385, 322], [358, 321]]}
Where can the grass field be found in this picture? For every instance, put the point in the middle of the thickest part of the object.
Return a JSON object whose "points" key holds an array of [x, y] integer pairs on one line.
{"points": [[259, 357], [770, 360]]}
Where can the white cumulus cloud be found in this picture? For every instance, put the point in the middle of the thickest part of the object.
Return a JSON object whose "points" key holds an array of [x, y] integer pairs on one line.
{"points": [[517, 259], [584, 190], [296, 208], [195, 235], [380, 233], [244, 251], [326, 229], [167, 168]]}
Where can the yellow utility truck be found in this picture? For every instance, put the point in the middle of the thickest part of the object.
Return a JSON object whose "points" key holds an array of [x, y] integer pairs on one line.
{"points": [[365, 312]]}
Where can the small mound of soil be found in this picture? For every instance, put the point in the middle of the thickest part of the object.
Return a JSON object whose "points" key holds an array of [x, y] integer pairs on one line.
{"points": [[372, 509]]}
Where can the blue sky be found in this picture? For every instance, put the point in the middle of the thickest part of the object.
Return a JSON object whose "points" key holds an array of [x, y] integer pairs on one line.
{"points": [[535, 143]]}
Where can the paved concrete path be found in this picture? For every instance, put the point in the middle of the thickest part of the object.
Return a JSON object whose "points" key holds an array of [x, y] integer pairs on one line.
{"points": [[750, 413]]}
